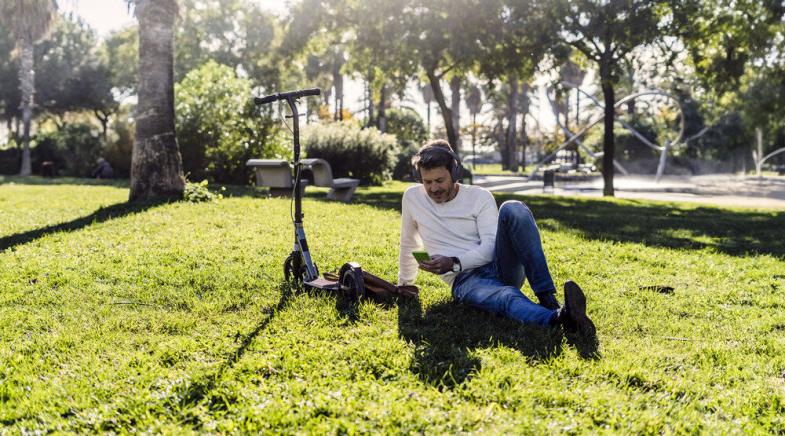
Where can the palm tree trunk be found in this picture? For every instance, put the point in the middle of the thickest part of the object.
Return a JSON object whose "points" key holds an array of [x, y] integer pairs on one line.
{"points": [[27, 88], [156, 165]]}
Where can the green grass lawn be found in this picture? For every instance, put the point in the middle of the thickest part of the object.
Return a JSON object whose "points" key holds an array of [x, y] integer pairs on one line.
{"points": [[175, 317], [494, 169]]}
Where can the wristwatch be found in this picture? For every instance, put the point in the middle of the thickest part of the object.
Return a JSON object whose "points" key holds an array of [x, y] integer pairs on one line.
{"points": [[456, 264]]}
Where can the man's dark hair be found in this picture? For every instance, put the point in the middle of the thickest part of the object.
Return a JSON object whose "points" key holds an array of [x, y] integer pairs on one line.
{"points": [[429, 156]]}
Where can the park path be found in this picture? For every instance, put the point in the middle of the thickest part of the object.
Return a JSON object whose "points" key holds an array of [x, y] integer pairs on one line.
{"points": [[722, 190]]}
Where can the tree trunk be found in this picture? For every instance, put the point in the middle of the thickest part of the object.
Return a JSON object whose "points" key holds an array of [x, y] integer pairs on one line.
{"points": [[502, 142], [338, 84], [156, 165], [455, 107], [103, 118], [438, 95], [474, 140], [512, 122], [27, 88], [382, 124], [370, 97], [608, 145], [524, 142], [428, 116]]}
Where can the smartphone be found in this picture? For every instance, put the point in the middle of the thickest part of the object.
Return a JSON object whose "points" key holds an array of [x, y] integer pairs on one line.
{"points": [[421, 255]]}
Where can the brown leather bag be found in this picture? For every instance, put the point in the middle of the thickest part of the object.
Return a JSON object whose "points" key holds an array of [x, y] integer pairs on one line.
{"points": [[379, 286]]}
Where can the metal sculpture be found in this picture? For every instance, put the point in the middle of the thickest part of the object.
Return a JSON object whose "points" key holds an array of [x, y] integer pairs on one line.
{"points": [[575, 137]]}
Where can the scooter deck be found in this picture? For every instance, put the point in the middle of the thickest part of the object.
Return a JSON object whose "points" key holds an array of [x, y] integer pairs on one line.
{"points": [[323, 283]]}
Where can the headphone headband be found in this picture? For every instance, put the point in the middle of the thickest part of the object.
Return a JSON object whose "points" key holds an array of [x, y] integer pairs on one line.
{"points": [[456, 169]]}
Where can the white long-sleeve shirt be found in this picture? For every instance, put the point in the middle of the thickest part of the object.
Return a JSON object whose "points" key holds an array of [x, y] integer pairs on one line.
{"points": [[464, 227]]}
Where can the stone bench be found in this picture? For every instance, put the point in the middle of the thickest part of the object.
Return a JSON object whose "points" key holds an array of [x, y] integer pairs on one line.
{"points": [[341, 189], [275, 174]]}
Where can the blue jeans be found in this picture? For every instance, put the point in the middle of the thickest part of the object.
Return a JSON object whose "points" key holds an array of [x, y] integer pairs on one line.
{"points": [[495, 287]]}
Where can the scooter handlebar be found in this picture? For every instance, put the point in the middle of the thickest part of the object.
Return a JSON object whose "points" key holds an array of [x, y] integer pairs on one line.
{"points": [[286, 95]]}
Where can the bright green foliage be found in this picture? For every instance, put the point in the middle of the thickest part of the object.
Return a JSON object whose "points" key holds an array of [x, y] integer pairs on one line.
{"points": [[763, 105], [364, 154], [120, 52], [199, 192], [218, 128], [175, 318], [724, 36], [69, 75], [237, 33]]}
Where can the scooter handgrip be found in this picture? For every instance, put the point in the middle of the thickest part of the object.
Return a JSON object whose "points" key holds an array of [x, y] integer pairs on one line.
{"points": [[266, 99], [309, 92]]}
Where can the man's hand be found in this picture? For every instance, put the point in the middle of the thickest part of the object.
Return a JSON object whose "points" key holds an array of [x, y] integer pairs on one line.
{"points": [[437, 265]]}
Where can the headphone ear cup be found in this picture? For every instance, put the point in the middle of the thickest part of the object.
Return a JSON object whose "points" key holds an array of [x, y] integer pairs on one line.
{"points": [[457, 171]]}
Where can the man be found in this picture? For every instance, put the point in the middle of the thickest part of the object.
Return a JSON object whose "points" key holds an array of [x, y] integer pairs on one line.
{"points": [[103, 170], [482, 252]]}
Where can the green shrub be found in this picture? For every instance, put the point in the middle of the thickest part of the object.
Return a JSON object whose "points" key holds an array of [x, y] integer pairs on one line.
{"points": [[364, 154], [218, 127], [199, 192], [403, 163], [74, 150], [410, 130], [10, 159], [120, 144], [407, 126]]}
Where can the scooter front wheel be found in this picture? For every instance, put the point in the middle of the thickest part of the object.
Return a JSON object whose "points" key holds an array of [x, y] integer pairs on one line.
{"points": [[293, 269], [351, 280]]}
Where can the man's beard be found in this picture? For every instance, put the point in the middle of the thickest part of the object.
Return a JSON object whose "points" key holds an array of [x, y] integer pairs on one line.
{"points": [[444, 195]]}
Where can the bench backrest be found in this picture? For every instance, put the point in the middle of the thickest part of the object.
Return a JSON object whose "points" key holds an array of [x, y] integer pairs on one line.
{"points": [[274, 173], [322, 172]]}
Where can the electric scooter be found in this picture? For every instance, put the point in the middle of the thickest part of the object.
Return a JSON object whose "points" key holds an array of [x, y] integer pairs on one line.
{"points": [[299, 265]]}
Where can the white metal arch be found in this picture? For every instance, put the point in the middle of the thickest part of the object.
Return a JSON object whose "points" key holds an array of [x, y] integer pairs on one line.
{"points": [[574, 137]]}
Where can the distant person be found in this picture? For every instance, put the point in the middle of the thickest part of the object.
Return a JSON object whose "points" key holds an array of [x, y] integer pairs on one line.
{"points": [[103, 170], [483, 253], [47, 168]]}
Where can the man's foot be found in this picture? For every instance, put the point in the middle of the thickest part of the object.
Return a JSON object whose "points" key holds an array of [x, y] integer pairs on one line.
{"points": [[548, 300], [573, 314]]}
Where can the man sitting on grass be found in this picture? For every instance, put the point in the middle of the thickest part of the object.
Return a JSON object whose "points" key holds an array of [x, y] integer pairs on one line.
{"points": [[482, 252]]}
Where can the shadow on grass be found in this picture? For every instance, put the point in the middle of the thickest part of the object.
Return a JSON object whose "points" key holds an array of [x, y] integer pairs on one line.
{"points": [[194, 392], [81, 181], [101, 215], [447, 335], [733, 232]]}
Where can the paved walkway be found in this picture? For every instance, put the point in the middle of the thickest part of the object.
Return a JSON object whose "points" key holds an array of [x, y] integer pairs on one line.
{"points": [[725, 190]]}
